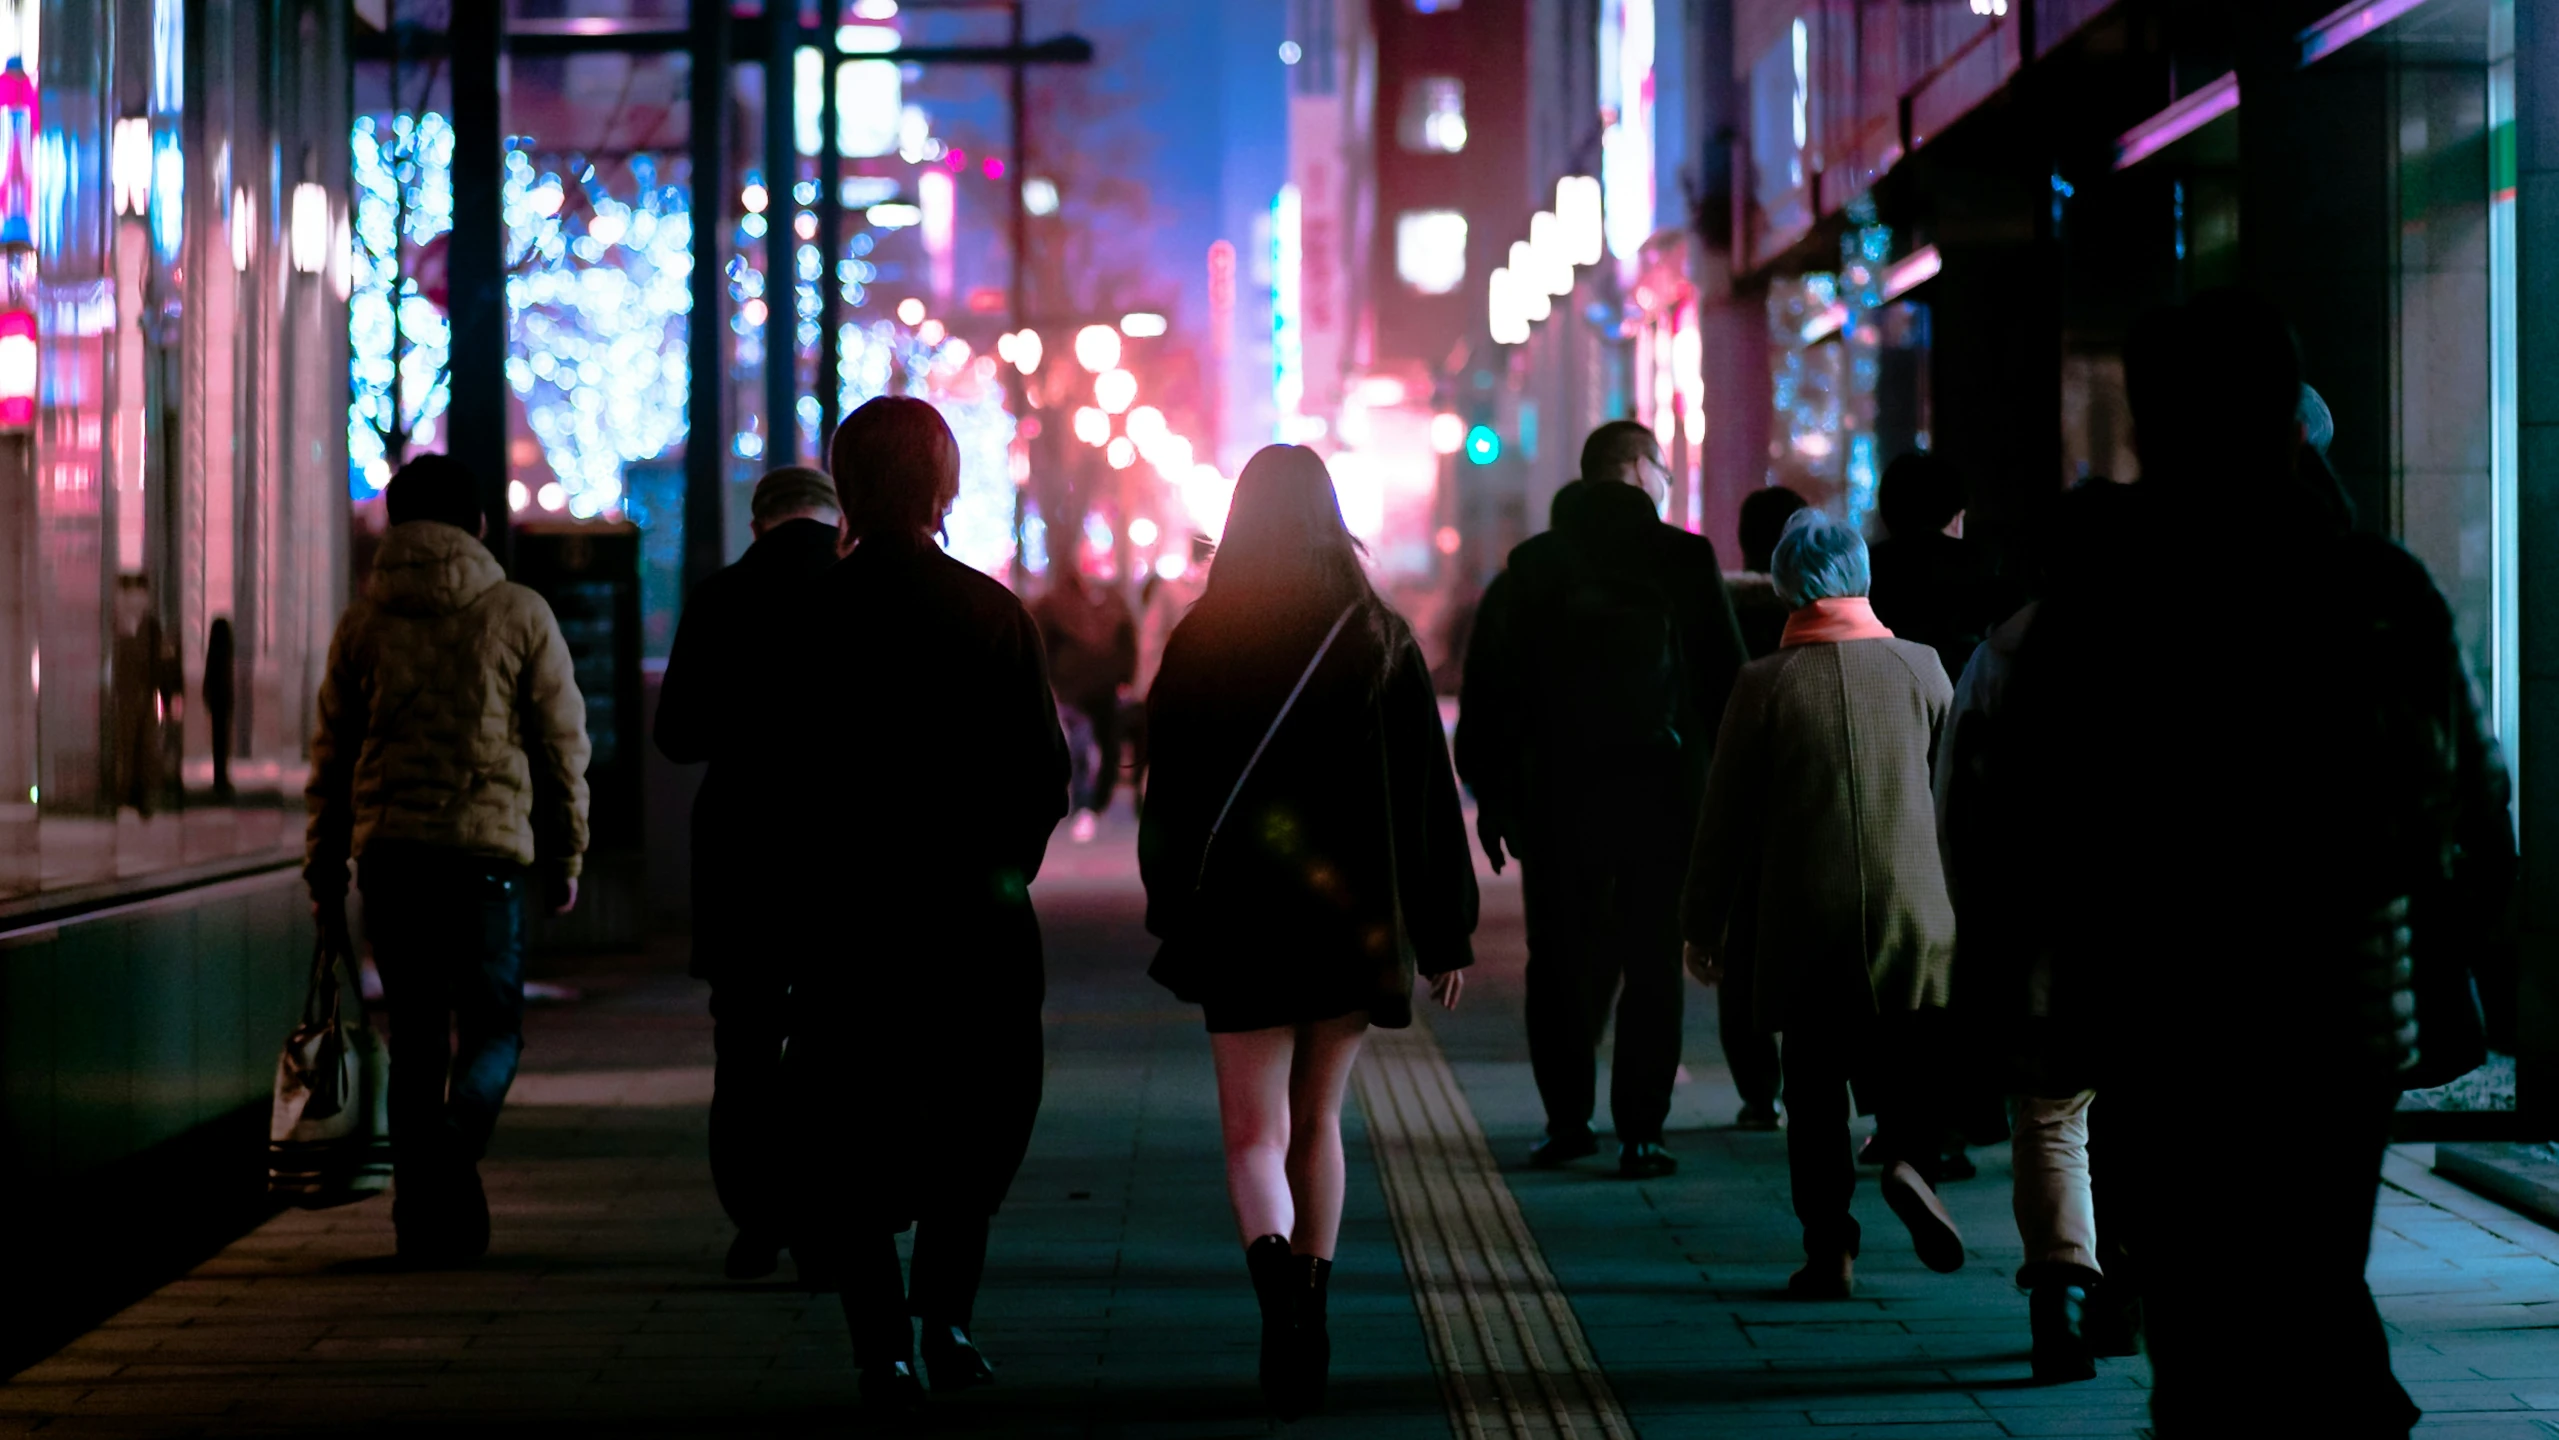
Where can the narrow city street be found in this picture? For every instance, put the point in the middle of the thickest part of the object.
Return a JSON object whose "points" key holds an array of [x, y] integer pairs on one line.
{"points": [[1470, 1301]]}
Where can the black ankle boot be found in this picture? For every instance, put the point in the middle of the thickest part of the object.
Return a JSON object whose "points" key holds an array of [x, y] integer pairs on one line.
{"points": [[1309, 1282], [953, 1360], [1267, 1260], [2058, 1313]]}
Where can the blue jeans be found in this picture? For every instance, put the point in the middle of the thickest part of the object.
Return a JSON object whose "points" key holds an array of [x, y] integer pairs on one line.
{"points": [[449, 931]]}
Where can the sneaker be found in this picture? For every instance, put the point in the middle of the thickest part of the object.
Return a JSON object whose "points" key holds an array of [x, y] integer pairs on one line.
{"points": [[1555, 1151], [1645, 1160], [1756, 1115]]}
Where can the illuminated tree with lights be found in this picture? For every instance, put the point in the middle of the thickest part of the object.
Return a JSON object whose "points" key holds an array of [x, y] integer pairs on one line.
{"points": [[398, 336], [596, 306]]}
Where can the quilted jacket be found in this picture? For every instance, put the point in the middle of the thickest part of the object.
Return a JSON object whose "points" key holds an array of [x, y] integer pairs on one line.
{"points": [[449, 716]]}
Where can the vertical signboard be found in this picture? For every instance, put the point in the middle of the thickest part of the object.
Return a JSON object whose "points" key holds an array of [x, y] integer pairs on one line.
{"points": [[1318, 173]]}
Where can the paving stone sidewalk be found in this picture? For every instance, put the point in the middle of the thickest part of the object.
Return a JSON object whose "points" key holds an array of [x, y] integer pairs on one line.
{"points": [[1680, 1282], [1116, 1303]]}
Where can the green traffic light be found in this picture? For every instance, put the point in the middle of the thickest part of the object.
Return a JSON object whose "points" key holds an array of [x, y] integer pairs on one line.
{"points": [[1482, 445]]}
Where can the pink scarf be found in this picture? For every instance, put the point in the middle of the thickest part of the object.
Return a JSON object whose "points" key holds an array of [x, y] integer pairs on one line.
{"points": [[1828, 622]]}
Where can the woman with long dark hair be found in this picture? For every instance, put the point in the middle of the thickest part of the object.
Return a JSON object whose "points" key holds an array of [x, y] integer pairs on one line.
{"points": [[1304, 858]]}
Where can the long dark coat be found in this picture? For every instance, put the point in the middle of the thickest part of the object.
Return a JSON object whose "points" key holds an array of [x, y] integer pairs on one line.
{"points": [[1343, 870], [743, 644], [935, 760]]}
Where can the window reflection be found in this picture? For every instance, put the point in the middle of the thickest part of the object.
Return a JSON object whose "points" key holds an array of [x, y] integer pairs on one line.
{"points": [[168, 561]]}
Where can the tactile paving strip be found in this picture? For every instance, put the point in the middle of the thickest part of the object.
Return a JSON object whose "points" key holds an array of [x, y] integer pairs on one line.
{"points": [[1511, 1357]]}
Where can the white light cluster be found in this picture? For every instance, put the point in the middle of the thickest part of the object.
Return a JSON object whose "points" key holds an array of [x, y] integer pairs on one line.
{"points": [[424, 147], [1542, 267], [597, 320]]}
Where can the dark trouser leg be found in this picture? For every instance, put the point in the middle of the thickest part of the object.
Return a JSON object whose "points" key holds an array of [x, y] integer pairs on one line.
{"points": [[1105, 715], [748, 1098], [949, 1264], [2322, 1365], [1821, 1162], [417, 992], [488, 1001], [1644, 928], [875, 1299], [1569, 983], [1905, 1065], [1750, 1052]]}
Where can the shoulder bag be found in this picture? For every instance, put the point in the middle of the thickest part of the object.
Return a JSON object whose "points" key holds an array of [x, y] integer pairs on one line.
{"points": [[329, 1142]]}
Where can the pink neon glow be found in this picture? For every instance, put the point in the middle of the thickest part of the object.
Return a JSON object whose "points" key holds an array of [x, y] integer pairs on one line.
{"points": [[2335, 31], [994, 168], [17, 155], [1911, 271], [2178, 121]]}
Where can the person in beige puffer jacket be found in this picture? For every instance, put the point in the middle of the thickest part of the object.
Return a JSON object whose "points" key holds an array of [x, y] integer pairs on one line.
{"points": [[450, 762]]}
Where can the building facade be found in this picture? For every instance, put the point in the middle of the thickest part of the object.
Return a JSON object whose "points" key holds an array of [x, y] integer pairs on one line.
{"points": [[173, 352]]}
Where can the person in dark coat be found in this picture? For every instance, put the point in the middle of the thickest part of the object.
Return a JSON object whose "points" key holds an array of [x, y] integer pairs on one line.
{"points": [[737, 652], [2278, 884], [915, 1046], [1765, 512], [1930, 586], [1305, 858], [1597, 675], [1750, 1053]]}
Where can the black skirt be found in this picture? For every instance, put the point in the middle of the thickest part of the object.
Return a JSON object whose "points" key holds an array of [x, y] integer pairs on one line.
{"points": [[1234, 1017]]}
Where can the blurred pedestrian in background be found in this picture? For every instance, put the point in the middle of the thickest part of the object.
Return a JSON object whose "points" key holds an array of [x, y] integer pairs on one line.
{"points": [[2365, 859], [449, 762], [1092, 654], [915, 1046], [1594, 681], [743, 646], [1305, 858], [1817, 867]]}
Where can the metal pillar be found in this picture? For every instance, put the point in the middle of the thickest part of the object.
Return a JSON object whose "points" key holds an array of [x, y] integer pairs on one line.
{"points": [[707, 429], [781, 310], [477, 420]]}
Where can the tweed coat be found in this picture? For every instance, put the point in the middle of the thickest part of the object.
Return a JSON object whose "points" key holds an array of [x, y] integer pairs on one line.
{"points": [[449, 716], [1816, 860]]}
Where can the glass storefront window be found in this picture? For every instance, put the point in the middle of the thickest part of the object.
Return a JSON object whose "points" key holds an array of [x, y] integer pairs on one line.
{"points": [[170, 572]]}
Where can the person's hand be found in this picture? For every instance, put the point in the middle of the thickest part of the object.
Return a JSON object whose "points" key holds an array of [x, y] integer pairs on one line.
{"points": [[1446, 988], [1489, 830], [560, 892], [1703, 964]]}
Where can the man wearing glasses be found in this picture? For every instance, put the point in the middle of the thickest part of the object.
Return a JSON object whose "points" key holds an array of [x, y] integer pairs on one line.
{"points": [[1594, 683]]}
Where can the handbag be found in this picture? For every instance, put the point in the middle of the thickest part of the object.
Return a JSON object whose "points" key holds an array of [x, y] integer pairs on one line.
{"points": [[1256, 758], [329, 1142]]}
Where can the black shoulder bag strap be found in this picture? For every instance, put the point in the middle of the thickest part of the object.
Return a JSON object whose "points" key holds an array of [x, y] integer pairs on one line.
{"points": [[1285, 706]]}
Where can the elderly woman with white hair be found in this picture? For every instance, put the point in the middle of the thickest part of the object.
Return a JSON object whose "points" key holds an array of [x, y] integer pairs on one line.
{"points": [[1816, 865]]}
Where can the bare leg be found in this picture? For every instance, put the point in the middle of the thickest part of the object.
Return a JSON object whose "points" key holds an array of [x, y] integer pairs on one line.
{"points": [[1253, 1112], [1320, 1072]]}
